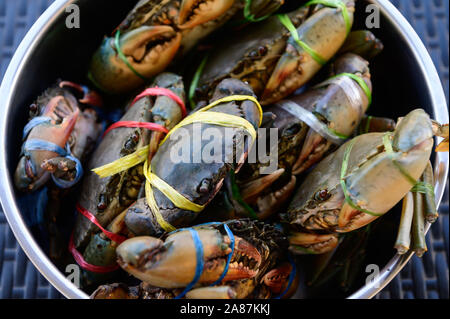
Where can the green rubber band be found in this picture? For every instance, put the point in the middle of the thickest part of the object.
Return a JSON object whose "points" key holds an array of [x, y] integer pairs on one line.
{"points": [[195, 80], [286, 21], [237, 196], [335, 133], [361, 83], [366, 129], [124, 58], [344, 185], [251, 17], [418, 187], [424, 188], [335, 4]]}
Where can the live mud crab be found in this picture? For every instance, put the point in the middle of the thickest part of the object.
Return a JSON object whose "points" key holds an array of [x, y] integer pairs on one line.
{"points": [[271, 59], [166, 265], [365, 178], [334, 109], [157, 31]]}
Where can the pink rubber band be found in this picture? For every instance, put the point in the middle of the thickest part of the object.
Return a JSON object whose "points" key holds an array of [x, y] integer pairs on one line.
{"points": [[85, 265], [156, 91], [147, 125], [114, 237]]}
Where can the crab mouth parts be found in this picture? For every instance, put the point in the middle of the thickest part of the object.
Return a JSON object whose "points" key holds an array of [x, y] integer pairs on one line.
{"points": [[323, 220], [318, 246]]}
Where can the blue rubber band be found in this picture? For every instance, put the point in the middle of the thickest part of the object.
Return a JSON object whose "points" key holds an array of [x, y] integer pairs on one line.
{"points": [[291, 278], [61, 183], [41, 145], [34, 122], [200, 262], [227, 265], [199, 251]]}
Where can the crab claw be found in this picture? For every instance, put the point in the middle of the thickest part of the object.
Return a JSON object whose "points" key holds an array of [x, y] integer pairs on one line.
{"points": [[29, 174], [88, 96], [262, 8], [172, 264], [115, 291], [324, 32], [147, 49], [441, 131], [196, 12], [305, 243], [380, 183], [277, 280], [256, 192]]}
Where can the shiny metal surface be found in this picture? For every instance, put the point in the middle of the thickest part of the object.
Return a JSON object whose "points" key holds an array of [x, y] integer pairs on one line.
{"points": [[48, 22]]}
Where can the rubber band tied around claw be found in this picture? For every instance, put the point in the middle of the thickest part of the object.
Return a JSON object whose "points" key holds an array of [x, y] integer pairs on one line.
{"points": [[199, 255], [124, 58], [157, 91], [140, 155], [286, 21], [360, 82], [251, 17], [79, 257], [335, 4], [417, 186], [43, 145], [87, 266], [292, 275]]}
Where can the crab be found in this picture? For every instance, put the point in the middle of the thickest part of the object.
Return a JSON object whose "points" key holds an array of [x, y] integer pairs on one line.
{"points": [[154, 33], [167, 265], [361, 181], [270, 59]]}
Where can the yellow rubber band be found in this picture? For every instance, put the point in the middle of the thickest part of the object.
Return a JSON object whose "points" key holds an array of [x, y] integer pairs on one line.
{"points": [[140, 156], [122, 163], [176, 198], [222, 119], [202, 116]]}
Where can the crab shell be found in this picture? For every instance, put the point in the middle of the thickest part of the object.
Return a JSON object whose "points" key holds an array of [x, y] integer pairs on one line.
{"points": [[193, 176]]}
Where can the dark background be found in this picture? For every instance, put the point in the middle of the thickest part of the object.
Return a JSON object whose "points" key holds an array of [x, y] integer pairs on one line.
{"points": [[425, 278]]}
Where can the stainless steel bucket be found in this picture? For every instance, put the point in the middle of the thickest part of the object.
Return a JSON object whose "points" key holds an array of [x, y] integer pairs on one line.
{"points": [[50, 50]]}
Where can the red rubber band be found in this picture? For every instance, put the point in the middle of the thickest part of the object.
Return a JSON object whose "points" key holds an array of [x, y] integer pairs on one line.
{"points": [[114, 237], [147, 125], [155, 91], [85, 265]]}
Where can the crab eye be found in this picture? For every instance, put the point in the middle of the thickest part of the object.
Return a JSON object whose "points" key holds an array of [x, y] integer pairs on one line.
{"points": [[292, 130], [321, 195]]}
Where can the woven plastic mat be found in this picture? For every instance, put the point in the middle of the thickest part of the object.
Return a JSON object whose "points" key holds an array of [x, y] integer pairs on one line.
{"points": [[425, 278]]}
